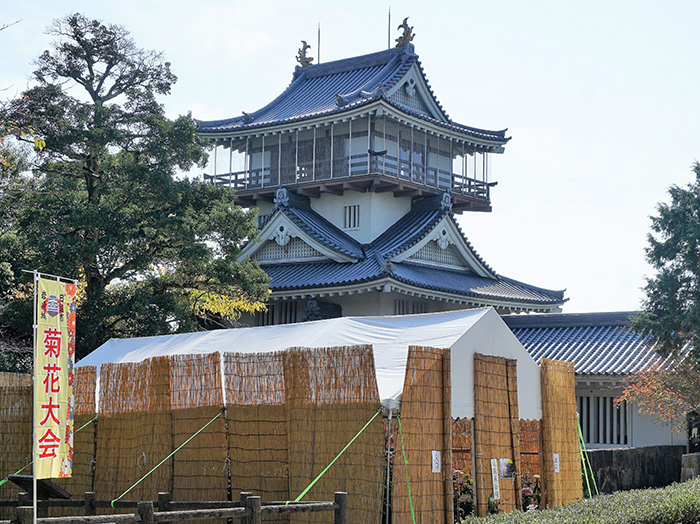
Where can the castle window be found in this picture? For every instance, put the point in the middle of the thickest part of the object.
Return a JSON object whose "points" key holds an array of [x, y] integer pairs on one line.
{"points": [[351, 216], [278, 313], [287, 313], [406, 307], [266, 317], [602, 422]]}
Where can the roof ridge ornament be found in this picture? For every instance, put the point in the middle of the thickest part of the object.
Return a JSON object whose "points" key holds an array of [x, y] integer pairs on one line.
{"points": [[446, 202], [282, 236], [281, 198], [340, 100], [407, 35], [443, 239], [301, 57]]}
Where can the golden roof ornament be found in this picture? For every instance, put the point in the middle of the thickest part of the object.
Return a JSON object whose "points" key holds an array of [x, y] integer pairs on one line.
{"points": [[301, 57], [407, 35]]}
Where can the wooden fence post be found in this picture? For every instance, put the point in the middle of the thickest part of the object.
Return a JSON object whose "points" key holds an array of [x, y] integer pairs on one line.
{"points": [[255, 505], [89, 503], [163, 501], [146, 512], [341, 512], [243, 496], [23, 499], [25, 514]]}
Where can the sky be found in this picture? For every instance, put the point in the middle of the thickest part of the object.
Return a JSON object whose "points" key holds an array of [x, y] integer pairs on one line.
{"points": [[601, 99]]}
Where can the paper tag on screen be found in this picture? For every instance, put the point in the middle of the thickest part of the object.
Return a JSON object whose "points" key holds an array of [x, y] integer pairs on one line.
{"points": [[437, 462]]}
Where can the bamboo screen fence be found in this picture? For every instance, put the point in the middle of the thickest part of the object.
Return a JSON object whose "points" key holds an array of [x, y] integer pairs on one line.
{"points": [[83, 440], [496, 429], [462, 445], [15, 430], [530, 448], [288, 415], [330, 395], [560, 433], [257, 423], [424, 402], [135, 429], [199, 469]]}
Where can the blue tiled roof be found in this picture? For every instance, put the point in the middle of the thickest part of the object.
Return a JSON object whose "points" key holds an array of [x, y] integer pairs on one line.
{"points": [[597, 343], [307, 275], [406, 232], [360, 80], [374, 263], [412, 228], [468, 284], [324, 232]]}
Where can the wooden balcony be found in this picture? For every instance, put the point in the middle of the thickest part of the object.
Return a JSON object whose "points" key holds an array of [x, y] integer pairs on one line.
{"points": [[363, 173]]}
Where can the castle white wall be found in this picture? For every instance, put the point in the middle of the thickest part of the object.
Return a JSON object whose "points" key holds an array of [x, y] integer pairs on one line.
{"points": [[646, 430], [264, 208], [378, 211]]}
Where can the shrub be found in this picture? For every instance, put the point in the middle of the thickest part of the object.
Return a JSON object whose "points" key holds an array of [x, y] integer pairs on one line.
{"points": [[675, 504]]}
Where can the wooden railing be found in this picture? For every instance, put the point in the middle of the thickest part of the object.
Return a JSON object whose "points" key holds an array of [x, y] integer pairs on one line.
{"points": [[249, 509], [347, 167]]}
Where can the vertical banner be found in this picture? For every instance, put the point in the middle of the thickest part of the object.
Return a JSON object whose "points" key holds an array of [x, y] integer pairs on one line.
{"points": [[54, 401]]}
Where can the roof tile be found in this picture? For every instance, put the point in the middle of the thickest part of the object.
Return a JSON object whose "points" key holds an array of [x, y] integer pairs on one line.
{"points": [[597, 343]]}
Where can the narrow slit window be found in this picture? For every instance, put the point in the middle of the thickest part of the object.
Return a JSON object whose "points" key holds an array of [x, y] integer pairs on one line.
{"points": [[351, 218]]}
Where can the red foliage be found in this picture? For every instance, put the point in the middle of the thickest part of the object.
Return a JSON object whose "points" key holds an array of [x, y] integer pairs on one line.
{"points": [[669, 390]]}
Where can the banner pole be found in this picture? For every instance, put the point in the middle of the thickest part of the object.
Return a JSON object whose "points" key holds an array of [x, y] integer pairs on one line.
{"points": [[34, 386]]}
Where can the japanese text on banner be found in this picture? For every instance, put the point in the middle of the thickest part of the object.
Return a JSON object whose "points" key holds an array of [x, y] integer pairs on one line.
{"points": [[54, 402]]}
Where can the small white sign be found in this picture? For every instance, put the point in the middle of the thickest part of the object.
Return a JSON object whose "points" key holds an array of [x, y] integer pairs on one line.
{"points": [[556, 463], [437, 462], [495, 480]]}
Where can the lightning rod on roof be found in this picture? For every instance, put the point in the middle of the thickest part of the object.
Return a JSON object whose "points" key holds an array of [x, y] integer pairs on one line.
{"points": [[318, 47], [388, 31]]}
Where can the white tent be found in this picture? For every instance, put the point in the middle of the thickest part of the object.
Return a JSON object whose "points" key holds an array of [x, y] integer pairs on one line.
{"points": [[465, 331]]}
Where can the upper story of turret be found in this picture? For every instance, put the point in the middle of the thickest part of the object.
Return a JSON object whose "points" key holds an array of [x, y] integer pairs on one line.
{"points": [[368, 124]]}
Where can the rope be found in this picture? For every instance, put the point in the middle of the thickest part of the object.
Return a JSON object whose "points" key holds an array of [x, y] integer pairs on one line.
{"points": [[86, 424], [166, 458], [405, 461], [583, 460], [586, 460], [3, 481], [301, 495], [6, 479]]}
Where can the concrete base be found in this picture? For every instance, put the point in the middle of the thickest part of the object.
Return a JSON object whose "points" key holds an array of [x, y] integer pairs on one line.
{"points": [[690, 466]]}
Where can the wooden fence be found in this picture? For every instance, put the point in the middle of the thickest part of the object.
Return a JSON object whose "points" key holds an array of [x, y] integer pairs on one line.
{"points": [[249, 509]]}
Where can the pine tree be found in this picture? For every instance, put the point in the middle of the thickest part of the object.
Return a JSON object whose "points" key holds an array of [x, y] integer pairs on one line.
{"points": [[103, 202], [671, 307]]}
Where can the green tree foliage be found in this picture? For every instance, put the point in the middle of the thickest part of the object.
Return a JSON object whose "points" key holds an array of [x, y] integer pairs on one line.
{"points": [[103, 203], [671, 307]]}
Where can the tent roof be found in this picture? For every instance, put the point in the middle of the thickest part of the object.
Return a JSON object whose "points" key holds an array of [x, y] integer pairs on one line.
{"points": [[389, 336]]}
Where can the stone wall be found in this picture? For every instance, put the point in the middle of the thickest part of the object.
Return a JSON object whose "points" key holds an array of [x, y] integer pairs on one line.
{"points": [[691, 466], [633, 468]]}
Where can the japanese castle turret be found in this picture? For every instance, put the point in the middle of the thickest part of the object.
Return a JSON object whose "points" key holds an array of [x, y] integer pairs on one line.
{"points": [[357, 172]]}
